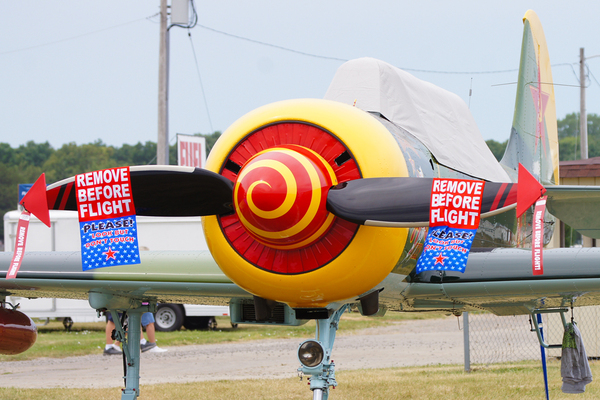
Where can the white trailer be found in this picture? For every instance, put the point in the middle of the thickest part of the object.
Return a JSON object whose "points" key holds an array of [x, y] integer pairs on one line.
{"points": [[154, 233]]}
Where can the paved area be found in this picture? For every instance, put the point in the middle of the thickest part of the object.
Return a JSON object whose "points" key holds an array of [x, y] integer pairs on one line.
{"points": [[419, 342]]}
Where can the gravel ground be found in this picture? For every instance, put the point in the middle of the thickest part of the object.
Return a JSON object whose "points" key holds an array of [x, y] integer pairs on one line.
{"points": [[419, 342]]}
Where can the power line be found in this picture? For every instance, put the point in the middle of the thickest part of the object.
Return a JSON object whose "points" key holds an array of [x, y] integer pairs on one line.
{"points": [[75, 37], [271, 45], [337, 58], [344, 59], [200, 79]]}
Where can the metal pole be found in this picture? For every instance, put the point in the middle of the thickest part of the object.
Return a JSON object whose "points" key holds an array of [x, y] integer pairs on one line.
{"points": [[467, 349], [582, 111], [162, 145], [543, 350]]}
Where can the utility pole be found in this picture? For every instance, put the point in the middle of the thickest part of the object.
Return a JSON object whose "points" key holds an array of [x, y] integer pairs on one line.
{"points": [[582, 111], [162, 145]]}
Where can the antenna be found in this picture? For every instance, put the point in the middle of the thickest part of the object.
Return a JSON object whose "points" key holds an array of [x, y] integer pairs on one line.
{"points": [[582, 110], [470, 93]]}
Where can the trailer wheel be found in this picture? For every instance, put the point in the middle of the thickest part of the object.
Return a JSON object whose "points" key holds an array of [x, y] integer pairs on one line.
{"points": [[195, 323], [67, 323], [169, 317]]}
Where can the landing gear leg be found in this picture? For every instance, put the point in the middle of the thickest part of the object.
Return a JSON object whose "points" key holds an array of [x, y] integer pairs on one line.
{"points": [[131, 348], [315, 356], [129, 336]]}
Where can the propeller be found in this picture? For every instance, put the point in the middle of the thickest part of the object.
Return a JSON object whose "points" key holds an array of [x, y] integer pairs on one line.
{"points": [[404, 202], [390, 202], [162, 191]]}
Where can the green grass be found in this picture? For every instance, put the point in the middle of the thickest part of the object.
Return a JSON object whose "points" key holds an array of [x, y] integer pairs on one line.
{"points": [[503, 381], [89, 338], [521, 381]]}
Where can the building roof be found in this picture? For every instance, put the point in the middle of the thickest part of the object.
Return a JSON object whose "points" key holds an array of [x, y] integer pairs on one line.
{"points": [[580, 168]]}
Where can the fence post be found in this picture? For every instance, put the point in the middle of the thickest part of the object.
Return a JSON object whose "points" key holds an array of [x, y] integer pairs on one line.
{"points": [[466, 342]]}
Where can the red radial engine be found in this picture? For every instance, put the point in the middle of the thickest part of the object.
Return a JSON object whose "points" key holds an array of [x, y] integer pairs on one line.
{"points": [[17, 332], [282, 174]]}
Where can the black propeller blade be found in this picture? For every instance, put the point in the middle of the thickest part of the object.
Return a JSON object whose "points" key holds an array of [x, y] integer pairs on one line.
{"points": [[388, 200], [162, 191], [402, 201]]}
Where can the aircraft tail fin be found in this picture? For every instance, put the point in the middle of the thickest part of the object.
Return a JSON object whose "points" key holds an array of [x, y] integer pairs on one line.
{"points": [[533, 139]]}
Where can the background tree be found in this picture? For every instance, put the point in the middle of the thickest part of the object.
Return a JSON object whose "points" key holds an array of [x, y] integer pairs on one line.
{"points": [[497, 148], [137, 154], [569, 136], [26, 163], [71, 160]]}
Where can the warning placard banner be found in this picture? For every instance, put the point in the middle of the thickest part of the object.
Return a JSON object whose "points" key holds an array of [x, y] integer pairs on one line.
{"points": [[537, 242], [22, 228], [107, 218], [453, 221]]}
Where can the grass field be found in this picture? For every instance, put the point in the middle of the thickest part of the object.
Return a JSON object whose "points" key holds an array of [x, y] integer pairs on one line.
{"points": [[521, 381], [503, 381]]}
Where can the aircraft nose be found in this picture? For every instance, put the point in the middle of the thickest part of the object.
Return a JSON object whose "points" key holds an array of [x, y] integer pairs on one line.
{"points": [[280, 196]]}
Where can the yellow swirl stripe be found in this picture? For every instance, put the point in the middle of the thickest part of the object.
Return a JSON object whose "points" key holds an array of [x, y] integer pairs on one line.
{"points": [[310, 239], [290, 182], [312, 209]]}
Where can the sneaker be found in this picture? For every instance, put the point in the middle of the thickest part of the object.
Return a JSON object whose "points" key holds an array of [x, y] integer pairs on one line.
{"points": [[112, 351], [147, 346], [157, 350]]}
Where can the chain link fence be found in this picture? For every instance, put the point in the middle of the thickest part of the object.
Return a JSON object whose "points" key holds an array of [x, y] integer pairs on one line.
{"points": [[497, 339]]}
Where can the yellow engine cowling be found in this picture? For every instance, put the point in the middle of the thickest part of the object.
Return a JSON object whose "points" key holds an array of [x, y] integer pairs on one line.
{"points": [[282, 244]]}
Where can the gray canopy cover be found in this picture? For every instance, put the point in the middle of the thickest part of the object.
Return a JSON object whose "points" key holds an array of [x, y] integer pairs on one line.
{"points": [[438, 118]]}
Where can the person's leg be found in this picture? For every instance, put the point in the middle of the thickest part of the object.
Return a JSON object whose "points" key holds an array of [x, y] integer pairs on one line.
{"points": [[150, 332], [148, 324], [110, 326], [111, 346]]}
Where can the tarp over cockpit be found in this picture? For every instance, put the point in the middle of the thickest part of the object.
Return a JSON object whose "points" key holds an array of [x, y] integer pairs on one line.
{"points": [[439, 119]]}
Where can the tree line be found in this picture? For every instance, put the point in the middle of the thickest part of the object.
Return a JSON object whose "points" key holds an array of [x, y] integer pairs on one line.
{"points": [[568, 138], [26, 163]]}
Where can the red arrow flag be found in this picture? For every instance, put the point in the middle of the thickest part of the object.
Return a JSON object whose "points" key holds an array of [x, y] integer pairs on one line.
{"points": [[35, 200], [529, 190]]}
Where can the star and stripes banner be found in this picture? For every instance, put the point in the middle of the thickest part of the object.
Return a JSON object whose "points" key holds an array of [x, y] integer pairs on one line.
{"points": [[107, 219], [453, 222]]}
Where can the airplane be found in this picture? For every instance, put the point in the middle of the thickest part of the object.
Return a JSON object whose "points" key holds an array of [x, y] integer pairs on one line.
{"points": [[313, 206]]}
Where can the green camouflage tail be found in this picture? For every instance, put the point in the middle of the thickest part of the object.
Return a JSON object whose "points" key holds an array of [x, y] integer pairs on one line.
{"points": [[533, 139]]}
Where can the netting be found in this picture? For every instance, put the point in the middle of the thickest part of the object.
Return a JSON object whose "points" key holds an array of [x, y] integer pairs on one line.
{"points": [[495, 339]]}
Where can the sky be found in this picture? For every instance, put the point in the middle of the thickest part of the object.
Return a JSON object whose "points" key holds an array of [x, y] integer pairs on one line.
{"points": [[80, 71]]}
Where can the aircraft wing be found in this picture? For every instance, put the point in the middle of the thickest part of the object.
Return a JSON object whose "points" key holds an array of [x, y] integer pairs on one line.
{"points": [[501, 281], [190, 277], [576, 206]]}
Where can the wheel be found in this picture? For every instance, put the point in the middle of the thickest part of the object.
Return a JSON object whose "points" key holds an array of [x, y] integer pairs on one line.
{"points": [[194, 323], [67, 323], [169, 317], [212, 323]]}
